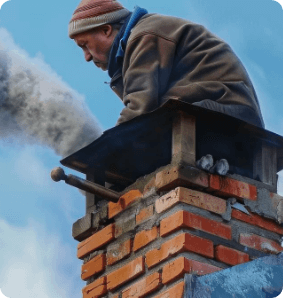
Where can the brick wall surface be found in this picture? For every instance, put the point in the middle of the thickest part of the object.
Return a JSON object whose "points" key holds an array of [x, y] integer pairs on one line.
{"points": [[182, 223]]}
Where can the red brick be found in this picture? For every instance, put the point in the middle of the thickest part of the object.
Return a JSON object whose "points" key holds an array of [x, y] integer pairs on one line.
{"points": [[180, 176], [180, 266], [230, 256], [118, 252], [229, 187], [115, 296], [186, 219], [145, 237], [176, 291], [260, 243], [144, 287], [191, 197], [96, 241], [95, 289], [124, 201], [200, 268], [95, 265], [257, 220], [125, 273], [180, 243], [144, 214]]}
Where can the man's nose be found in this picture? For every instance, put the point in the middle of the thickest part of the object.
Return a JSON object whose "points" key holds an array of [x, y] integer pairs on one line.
{"points": [[88, 56]]}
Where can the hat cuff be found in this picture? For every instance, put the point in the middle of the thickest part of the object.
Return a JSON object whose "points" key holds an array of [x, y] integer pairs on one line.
{"points": [[83, 25]]}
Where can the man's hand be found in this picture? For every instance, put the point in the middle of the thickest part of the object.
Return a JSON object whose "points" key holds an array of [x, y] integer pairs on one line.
{"points": [[126, 115]]}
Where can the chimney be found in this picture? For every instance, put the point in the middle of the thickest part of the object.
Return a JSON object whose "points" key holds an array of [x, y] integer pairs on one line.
{"points": [[157, 226]]}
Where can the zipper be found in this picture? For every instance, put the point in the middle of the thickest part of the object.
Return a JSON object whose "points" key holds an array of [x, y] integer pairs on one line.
{"points": [[115, 78]]}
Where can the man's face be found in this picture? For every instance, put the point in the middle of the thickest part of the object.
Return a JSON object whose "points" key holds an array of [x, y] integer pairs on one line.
{"points": [[96, 45]]}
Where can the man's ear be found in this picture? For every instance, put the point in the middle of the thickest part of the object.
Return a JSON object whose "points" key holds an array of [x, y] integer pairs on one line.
{"points": [[106, 30]]}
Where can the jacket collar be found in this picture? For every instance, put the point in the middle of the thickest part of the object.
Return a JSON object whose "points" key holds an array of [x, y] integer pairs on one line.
{"points": [[117, 51]]}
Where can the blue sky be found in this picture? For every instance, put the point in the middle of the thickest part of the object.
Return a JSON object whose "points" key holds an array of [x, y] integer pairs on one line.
{"points": [[36, 214]]}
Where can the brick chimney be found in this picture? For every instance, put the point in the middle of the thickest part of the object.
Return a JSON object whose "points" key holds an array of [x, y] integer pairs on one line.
{"points": [[173, 220]]}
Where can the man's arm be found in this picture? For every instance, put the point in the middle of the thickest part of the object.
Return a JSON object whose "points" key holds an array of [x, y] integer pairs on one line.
{"points": [[147, 66]]}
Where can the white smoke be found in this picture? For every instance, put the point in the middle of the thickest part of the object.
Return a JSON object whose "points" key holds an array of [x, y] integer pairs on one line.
{"points": [[37, 106]]}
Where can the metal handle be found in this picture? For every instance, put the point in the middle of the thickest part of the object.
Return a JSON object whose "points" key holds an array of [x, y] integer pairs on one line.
{"points": [[58, 174]]}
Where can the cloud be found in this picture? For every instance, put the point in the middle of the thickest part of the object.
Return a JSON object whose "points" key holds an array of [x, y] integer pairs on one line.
{"points": [[37, 106], [30, 169], [25, 180], [35, 264]]}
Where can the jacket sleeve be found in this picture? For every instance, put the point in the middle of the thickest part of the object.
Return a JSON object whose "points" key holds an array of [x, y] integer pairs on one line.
{"points": [[145, 74]]}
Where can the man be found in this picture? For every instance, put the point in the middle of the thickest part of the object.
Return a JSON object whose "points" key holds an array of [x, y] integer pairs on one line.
{"points": [[152, 58]]}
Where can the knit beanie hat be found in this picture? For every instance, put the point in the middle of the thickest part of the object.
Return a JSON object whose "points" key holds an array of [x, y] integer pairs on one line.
{"points": [[93, 13]]}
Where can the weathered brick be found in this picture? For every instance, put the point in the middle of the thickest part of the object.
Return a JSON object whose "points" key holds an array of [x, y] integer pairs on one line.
{"points": [[180, 266], [83, 228], [125, 225], [260, 243], [180, 243], [180, 176], [118, 252], [176, 291], [95, 241], [277, 203], [95, 265], [257, 220], [144, 287], [145, 237], [191, 197], [280, 212], [144, 214], [230, 256], [124, 201], [96, 289], [125, 273], [229, 187], [149, 185], [186, 219]]}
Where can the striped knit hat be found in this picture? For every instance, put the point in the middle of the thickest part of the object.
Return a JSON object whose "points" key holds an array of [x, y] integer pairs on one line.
{"points": [[93, 13]]}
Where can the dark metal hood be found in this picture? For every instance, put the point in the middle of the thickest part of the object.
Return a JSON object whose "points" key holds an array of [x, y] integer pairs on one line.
{"points": [[143, 144]]}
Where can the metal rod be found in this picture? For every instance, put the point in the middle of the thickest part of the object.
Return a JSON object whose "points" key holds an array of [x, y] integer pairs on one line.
{"points": [[58, 174]]}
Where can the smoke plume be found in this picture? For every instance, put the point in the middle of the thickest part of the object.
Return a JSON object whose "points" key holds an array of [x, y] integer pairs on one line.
{"points": [[37, 106]]}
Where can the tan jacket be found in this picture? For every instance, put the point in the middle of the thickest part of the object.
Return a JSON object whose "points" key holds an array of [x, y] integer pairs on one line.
{"points": [[168, 57]]}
